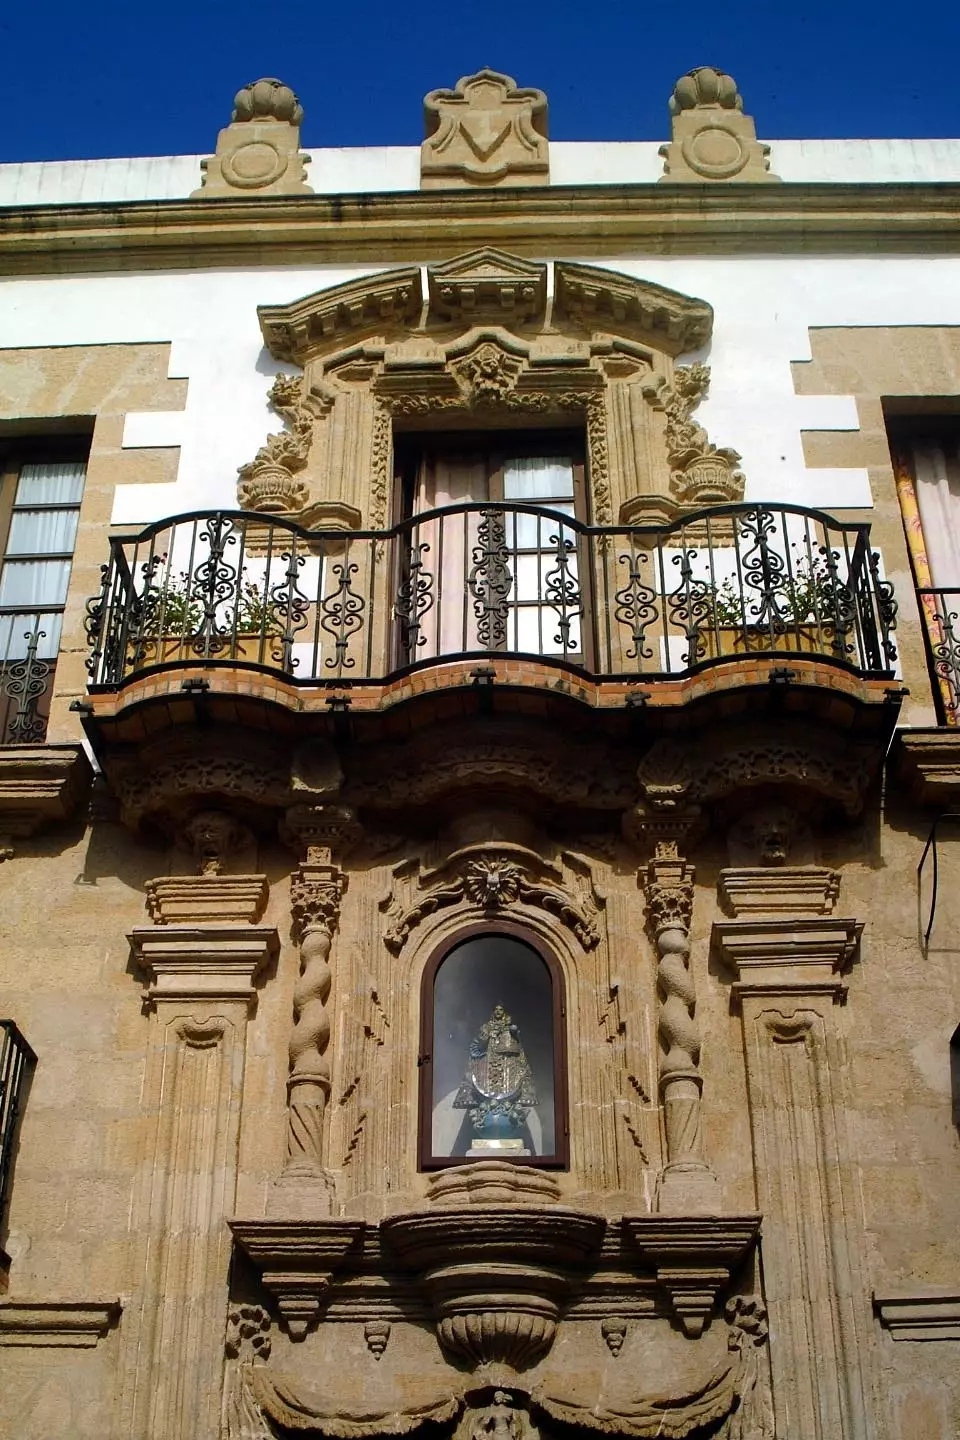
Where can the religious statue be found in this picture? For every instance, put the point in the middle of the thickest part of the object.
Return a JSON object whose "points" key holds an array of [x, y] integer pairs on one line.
{"points": [[497, 1089]]}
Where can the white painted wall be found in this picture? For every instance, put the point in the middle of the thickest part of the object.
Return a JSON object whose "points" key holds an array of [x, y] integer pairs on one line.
{"points": [[763, 307], [379, 169]]}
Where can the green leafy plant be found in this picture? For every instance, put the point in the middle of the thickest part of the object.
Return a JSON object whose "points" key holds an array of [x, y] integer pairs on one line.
{"points": [[809, 595]]}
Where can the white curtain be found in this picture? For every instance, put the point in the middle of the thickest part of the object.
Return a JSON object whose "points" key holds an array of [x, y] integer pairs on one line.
{"points": [[937, 470], [51, 484], [450, 625]]}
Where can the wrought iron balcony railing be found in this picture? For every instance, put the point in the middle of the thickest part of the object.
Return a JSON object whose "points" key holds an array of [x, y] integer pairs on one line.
{"points": [[28, 649], [16, 1062], [482, 580], [941, 618]]}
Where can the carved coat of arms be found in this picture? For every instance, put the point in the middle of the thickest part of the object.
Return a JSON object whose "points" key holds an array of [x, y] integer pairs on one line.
{"points": [[483, 131]]}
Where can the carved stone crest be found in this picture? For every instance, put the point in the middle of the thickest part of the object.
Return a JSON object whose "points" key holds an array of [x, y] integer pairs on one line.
{"points": [[483, 131]]}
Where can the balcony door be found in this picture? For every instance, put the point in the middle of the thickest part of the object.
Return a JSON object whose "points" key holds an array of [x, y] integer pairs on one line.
{"points": [[487, 563]]}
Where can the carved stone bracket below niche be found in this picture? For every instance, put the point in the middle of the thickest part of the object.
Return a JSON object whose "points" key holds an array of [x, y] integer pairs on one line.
{"points": [[297, 1260], [496, 1272], [694, 1258]]}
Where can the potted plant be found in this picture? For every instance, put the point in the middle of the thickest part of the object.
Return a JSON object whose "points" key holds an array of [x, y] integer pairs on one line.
{"points": [[807, 610]]}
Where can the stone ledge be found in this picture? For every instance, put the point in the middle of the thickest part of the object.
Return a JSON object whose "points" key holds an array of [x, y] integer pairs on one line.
{"points": [[76, 1323], [40, 785], [927, 764], [923, 1314]]}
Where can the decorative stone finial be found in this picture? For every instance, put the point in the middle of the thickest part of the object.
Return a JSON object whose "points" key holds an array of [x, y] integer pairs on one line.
{"points": [[712, 138], [267, 99], [259, 151], [483, 132]]}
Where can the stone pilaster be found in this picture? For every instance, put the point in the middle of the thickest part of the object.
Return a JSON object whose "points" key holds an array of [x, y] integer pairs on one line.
{"points": [[200, 975], [789, 975]]}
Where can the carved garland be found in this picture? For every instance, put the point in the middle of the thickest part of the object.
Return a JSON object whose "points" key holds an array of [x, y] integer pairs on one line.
{"points": [[735, 1391]]}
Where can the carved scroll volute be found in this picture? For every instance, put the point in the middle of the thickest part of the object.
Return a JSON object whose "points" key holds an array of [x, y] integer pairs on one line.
{"points": [[315, 894]]}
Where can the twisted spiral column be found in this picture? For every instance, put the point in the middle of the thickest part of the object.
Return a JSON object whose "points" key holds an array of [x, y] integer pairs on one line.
{"points": [[315, 901], [686, 1179]]}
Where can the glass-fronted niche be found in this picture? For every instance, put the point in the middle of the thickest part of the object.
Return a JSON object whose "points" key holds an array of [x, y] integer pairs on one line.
{"points": [[492, 1053]]}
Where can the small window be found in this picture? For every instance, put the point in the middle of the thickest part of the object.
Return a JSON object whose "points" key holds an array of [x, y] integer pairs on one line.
{"points": [[492, 1061], [40, 500]]}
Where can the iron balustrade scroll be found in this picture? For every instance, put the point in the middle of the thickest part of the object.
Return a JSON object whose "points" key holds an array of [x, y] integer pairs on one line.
{"points": [[941, 618], [16, 1062], [477, 580]]}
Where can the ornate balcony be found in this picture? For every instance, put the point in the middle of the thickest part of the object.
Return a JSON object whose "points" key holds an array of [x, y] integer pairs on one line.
{"points": [[242, 661], [481, 583]]}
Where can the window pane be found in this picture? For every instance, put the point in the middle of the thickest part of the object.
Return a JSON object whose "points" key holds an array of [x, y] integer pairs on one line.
{"points": [[34, 582], [493, 1052], [15, 631], [532, 477], [33, 532], [60, 484]]}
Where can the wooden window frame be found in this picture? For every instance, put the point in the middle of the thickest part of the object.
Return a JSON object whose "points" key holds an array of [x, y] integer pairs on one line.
{"points": [[560, 1159]]}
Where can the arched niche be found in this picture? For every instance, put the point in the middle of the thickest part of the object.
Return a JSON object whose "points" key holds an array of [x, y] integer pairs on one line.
{"points": [[492, 1062]]}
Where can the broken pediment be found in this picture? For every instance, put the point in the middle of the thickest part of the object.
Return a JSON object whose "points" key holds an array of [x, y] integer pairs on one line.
{"points": [[594, 298], [390, 298], [484, 131], [488, 283]]}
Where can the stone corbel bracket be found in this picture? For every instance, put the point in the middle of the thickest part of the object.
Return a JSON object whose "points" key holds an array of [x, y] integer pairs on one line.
{"points": [[694, 1258], [297, 1261], [40, 785]]}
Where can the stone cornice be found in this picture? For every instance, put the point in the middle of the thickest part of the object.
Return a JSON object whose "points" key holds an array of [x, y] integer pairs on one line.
{"points": [[790, 957], [203, 963], [40, 785], [927, 764], [56, 1322], [377, 229], [926, 1313]]}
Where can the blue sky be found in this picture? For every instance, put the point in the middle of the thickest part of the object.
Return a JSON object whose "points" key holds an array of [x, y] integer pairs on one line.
{"points": [[122, 79]]}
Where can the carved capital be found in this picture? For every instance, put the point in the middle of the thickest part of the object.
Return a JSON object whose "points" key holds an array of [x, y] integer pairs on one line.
{"points": [[203, 964], [668, 884], [315, 894]]}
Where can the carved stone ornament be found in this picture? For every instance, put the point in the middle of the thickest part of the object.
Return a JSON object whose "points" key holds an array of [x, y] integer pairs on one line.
{"points": [[487, 283], [731, 1400], [700, 474], [493, 877], [258, 153], [496, 1274], [484, 131], [487, 350], [786, 890], [712, 138], [803, 760]]}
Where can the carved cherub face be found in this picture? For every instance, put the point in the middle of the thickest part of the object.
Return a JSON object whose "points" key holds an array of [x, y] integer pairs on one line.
{"points": [[768, 835]]}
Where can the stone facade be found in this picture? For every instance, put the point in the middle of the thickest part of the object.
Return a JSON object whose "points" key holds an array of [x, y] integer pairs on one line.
{"points": [[280, 789]]}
